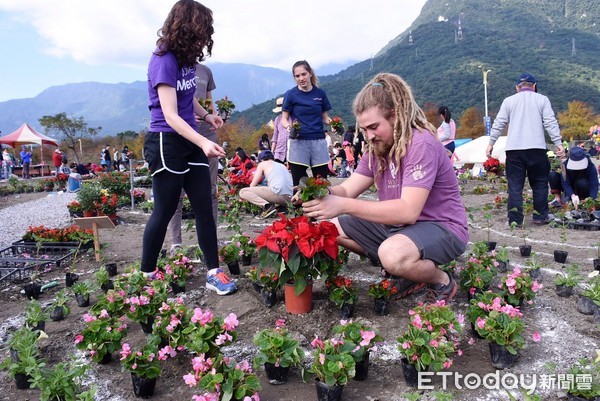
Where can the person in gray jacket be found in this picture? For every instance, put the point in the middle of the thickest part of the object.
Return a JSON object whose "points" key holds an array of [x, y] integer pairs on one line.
{"points": [[527, 114]]}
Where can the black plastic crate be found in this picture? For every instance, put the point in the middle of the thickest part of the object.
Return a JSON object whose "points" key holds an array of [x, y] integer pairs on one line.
{"points": [[27, 254], [14, 270], [70, 244]]}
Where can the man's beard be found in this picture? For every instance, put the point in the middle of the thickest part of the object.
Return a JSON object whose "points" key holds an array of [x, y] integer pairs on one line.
{"points": [[380, 148]]}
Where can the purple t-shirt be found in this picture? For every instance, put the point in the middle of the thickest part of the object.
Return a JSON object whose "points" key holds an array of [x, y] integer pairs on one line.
{"points": [[165, 70], [425, 165]]}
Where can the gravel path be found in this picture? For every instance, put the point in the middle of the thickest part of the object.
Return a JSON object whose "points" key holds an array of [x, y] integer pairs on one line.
{"points": [[50, 211]]}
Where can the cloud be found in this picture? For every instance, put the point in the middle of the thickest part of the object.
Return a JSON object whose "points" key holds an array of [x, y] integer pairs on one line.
{"points": [[263, 32]]}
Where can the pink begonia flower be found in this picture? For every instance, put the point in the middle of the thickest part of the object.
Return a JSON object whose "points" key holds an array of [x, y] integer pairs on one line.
{"points": [[335, 341], [415, 357], [88, 318], [537, 337], [417, 322], [433, 343], [459, 352], [480, 323], [166, 352], [201, 317], [471, 341], [125, 351], [151, 357], [448, 363], [93, 352], [405, 345], [223, 338], [231, 322], [322, 359], [472, 291], [411, 312], [134, 366], [78, 338], [317, 343], [206, 397], [201, 364], [280, 323], [535, 287], [510, 282], [190, 380], [104, 314]]}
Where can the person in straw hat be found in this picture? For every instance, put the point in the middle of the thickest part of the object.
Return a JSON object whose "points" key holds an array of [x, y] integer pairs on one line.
{"points": [[279, 142]]}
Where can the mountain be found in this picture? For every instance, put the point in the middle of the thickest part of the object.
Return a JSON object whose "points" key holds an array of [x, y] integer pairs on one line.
{"points": [[124, 106], [558, 41]]}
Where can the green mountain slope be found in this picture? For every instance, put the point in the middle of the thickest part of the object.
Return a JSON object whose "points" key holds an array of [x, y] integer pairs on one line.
{"points": [[558, 41]]}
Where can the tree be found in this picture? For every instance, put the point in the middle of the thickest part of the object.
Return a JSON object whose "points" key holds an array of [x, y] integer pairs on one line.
{"points": [[575, 122], [70, 130], [470, 124]]}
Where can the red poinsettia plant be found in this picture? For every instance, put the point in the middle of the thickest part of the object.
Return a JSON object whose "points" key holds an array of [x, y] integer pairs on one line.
{"points": [[493, 165], [336, 124], [299, 248]]}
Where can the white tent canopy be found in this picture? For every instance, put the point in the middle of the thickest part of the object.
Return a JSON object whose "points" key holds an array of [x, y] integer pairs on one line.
{"points": [[474, 151]]}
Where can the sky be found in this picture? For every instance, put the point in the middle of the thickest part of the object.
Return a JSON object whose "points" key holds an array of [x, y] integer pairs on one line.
{"points": [[48, 43]]}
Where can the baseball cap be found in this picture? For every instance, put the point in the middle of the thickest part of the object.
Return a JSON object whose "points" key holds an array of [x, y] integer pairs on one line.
{"points": [[265, 155], [526, 77], [279, 104], [577, 159], [345, 143]]}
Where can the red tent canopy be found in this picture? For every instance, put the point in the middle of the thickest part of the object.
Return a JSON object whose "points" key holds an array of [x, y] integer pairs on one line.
{"points": [[27, 135]]}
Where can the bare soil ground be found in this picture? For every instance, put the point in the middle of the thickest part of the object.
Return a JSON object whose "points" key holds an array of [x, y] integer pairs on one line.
{"points": [[566, 334]]}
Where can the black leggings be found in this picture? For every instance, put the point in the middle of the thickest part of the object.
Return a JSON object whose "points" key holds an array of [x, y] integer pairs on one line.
{"points": [[298, 171], [167, 187]]}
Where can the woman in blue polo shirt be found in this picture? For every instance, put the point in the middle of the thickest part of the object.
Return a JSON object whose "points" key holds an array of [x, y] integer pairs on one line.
{"points": [[307, 104]]}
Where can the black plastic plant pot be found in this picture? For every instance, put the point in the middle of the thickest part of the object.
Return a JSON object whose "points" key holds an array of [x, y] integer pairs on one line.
{"points": [[269, 297], [107, 286], [346, 311], [105, 359], [501, 358], [40, 326], [70, 279], [257, 287], [502, 266], [525, 250], [234, 267], [411, 375], [536, 273], [560, 256], [177, 289], [82, 300], [111, 269], [246, 260], [586, 305], [276, 374], [22, 381], [596, 264], [147, 326], [491, 245], [143, 387], [328, 393], [57, 314], [564, 291], [381, 307], [362, 368], [33, 290]]}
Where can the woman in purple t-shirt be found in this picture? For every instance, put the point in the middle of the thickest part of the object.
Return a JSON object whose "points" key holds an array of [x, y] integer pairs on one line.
{"points": [[176, 154]]}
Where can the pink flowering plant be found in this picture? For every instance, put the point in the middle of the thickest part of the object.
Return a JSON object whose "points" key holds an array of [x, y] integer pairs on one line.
{"points": [[178, 268], [222, 378], [170, 323], [498, 321], [206, 333], [102, 334], [518, 287], [333, 361], [230, 252], [479, 271], [144, 362], [277, 347], [430, 341], [364, 338], [343, 291], [144, 307]]}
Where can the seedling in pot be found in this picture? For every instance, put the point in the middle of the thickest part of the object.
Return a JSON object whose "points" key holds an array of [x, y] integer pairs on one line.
{"points": [[566, 281]]}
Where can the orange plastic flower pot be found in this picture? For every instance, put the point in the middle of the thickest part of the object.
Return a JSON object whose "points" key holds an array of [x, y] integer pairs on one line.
{"points": [[298, 304]]}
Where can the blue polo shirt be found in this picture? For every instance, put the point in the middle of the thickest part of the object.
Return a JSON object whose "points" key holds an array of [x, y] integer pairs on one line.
{"points": [[307, 108]]}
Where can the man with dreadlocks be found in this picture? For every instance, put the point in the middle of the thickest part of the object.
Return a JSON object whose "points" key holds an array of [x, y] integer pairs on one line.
{"points": [[419, 221]]}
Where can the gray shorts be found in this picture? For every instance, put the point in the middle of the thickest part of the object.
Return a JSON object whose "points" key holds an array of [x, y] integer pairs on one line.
{"points": [[309, 153], [433, 240]]}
